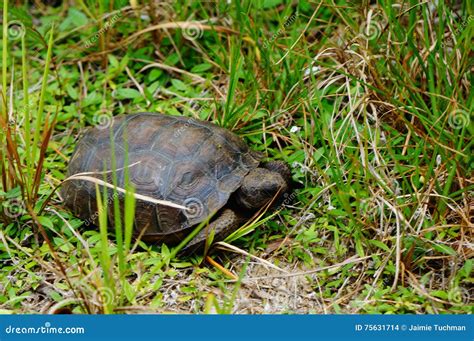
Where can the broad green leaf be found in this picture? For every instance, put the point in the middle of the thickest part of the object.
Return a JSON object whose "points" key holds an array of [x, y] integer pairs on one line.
{"points": [[127, 93], [201, 68], [45, 221]]}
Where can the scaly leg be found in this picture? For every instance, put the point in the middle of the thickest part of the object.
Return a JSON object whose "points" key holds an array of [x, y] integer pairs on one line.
{"points": [[226, 223]]}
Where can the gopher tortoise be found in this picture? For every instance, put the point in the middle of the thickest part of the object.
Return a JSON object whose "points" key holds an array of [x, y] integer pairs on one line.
{"points": [[193, 163]]}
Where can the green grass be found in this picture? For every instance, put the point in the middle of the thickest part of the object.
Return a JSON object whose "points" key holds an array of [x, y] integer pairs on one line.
{"points": [[371, 106]]}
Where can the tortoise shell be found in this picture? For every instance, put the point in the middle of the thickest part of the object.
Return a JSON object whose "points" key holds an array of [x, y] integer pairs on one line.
{"points": [[183, 160]]}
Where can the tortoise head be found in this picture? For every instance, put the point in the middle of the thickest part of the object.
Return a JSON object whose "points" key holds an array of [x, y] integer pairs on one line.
{"points": [[263, 184]]}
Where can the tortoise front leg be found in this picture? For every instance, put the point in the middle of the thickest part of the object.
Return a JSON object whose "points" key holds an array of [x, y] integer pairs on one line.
{"points": [[226, 223]]}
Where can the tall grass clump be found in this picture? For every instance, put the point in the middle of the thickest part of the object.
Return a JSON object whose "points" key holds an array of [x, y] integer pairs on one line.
{"points": [[26, 128]]}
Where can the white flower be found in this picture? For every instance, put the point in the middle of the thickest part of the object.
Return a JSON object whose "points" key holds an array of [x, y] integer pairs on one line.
{"points": [[294, 129], [309, 71]]}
